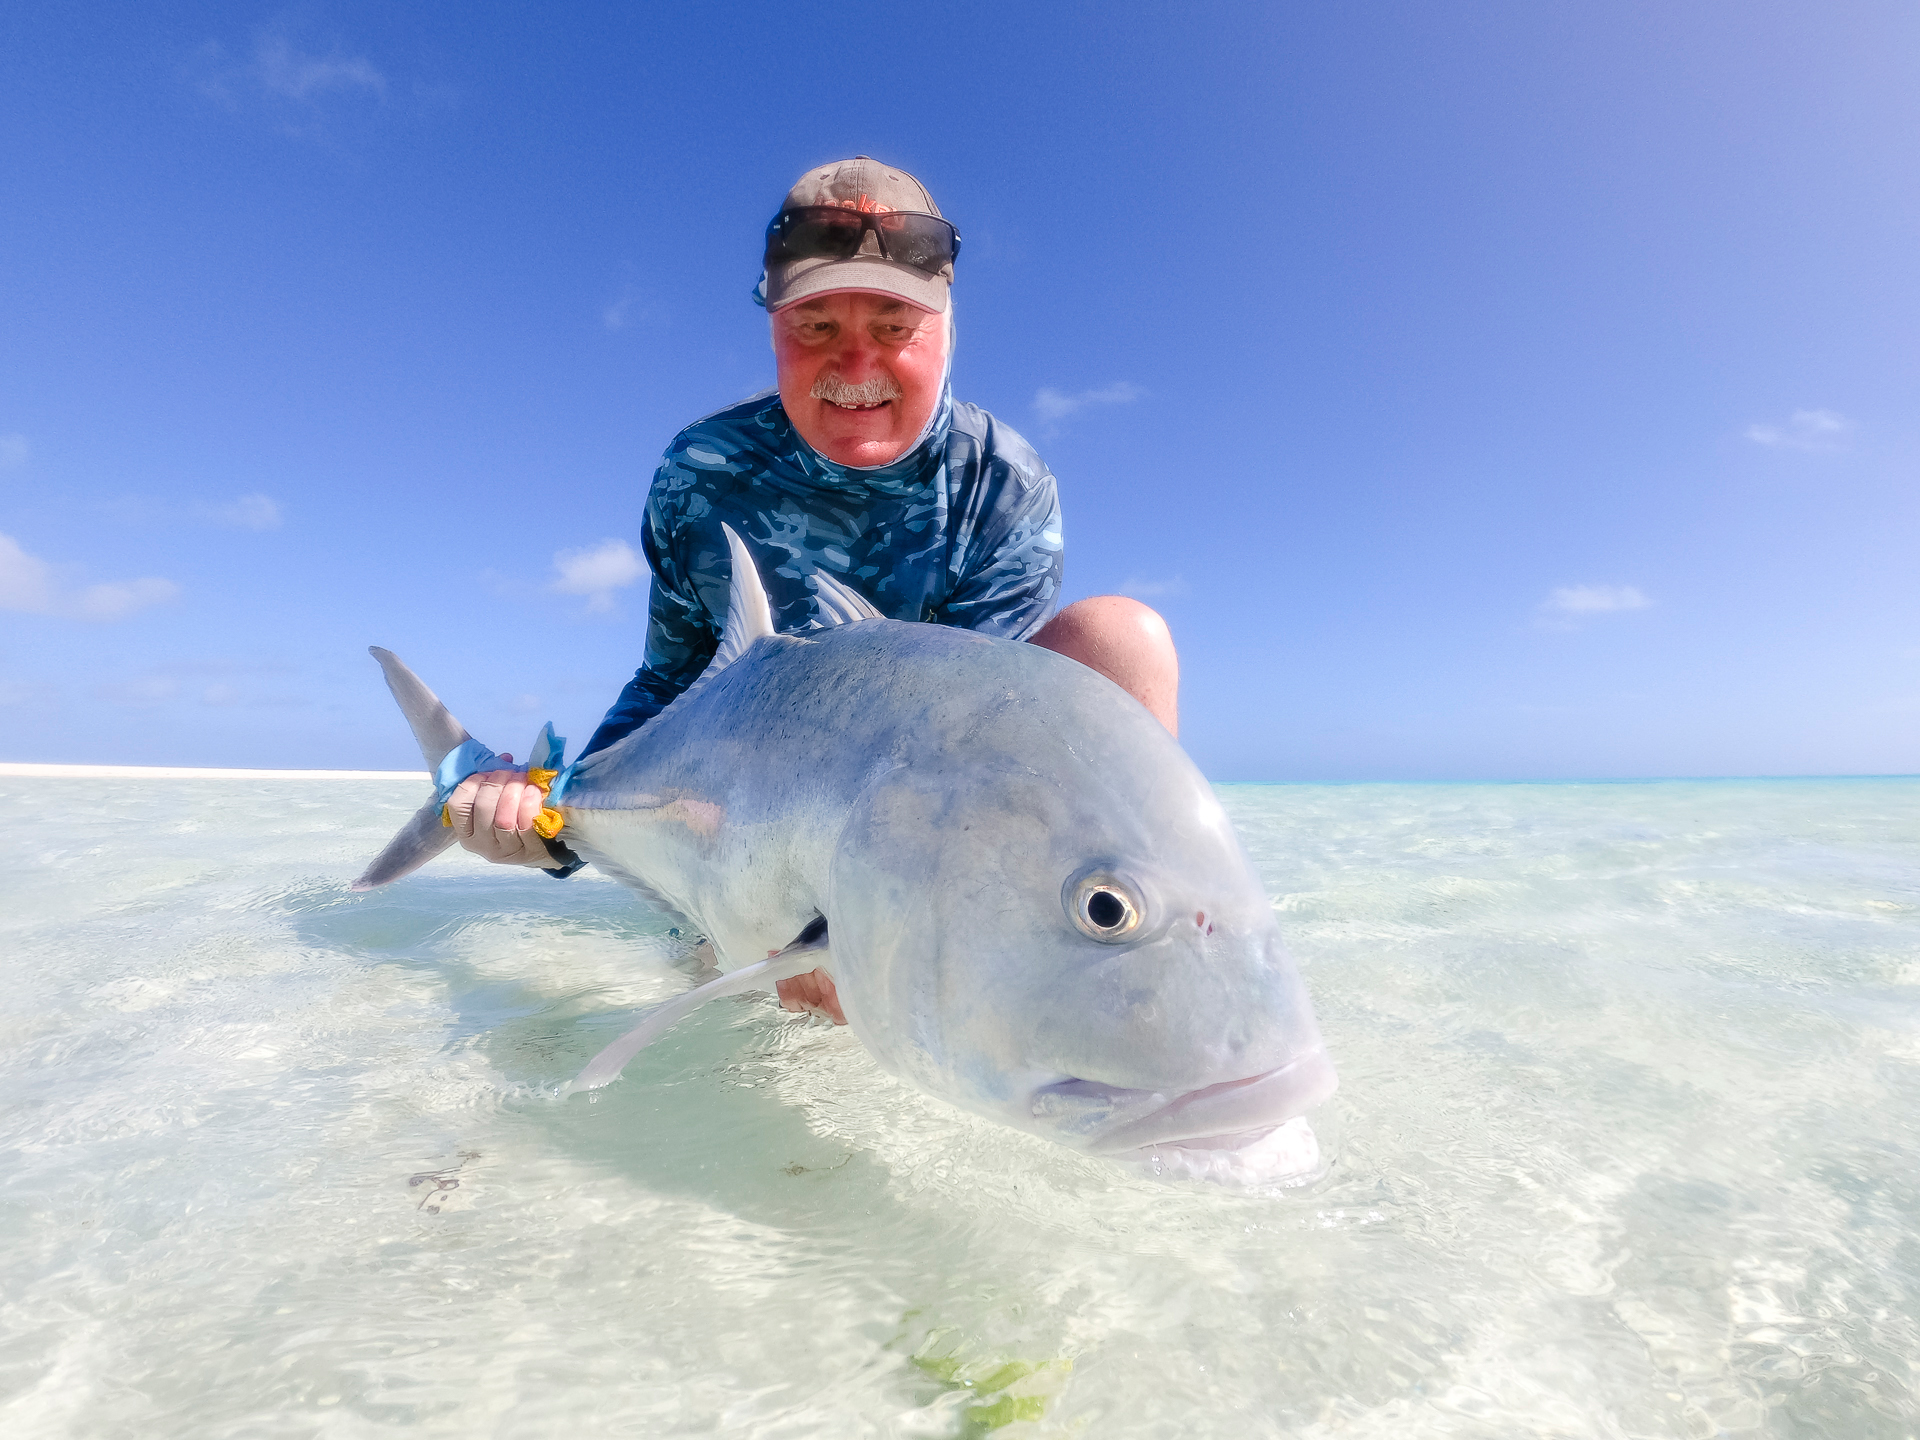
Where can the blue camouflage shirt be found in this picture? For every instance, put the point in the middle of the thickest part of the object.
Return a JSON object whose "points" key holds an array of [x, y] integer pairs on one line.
{"points": [[962, 530]]}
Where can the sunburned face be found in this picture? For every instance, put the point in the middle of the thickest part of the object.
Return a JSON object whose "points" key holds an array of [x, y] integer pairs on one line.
{"points": [[859, 373]]}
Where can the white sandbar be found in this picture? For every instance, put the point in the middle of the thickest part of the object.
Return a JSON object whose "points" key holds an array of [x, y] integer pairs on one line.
{"points": [[179, 772]]}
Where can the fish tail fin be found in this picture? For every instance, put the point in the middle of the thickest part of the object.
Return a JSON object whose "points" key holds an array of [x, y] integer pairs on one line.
{"points": [[434, 727], [419, 840], [438, 735]]}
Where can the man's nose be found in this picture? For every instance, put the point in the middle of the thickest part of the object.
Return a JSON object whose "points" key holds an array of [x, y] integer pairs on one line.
{"points": [[857, 354]]}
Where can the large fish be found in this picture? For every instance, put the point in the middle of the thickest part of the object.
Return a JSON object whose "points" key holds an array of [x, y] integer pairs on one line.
{"points": [[1030, 901]]}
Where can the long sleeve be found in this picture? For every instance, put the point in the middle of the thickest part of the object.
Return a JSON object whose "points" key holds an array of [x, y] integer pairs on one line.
{"points": [[1012, 567], [681, 635]]}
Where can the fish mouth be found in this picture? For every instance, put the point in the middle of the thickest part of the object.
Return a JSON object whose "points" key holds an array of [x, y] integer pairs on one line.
{"points": [[1227, 1116]]}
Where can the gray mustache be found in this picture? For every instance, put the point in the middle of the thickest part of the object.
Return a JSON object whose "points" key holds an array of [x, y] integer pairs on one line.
{"points": [[836, 391]]}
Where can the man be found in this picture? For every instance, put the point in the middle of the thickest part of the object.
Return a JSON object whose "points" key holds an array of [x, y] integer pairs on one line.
{"points": [[861, 464]]}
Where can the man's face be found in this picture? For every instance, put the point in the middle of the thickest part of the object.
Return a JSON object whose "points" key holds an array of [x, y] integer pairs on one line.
{"points": [[859, 374]]}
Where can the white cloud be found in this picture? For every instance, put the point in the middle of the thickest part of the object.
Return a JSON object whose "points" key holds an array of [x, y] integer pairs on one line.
{"points": [[29, 585], [282, 77], [597, 572], [13, 450], [1054, 405], [118, 599], [141, 693], [1595, 599], [26, 581], [248, 512], [217, 684], [243, 512], [1805, 430], [280, 69], [29, 694], [620, 312], [1144, 589]]}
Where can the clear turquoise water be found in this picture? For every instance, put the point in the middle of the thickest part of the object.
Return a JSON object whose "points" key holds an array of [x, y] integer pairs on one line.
{"points": [[1627, 1146]]}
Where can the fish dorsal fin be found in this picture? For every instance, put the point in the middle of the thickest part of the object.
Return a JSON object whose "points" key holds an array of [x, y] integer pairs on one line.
{"points": [[838, 603], [433, 726], [749, 617]]}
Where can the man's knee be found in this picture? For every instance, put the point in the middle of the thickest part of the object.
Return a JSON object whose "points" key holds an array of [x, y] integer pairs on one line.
{"points": [[1127, 642], [1112, 619], [1108, 623]]}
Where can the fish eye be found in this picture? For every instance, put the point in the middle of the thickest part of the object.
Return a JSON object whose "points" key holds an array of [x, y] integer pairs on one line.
{"points": [[1105, 908]]}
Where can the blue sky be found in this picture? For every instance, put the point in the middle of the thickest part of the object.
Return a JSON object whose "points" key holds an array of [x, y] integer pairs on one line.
{"points": [[1481, 390]]}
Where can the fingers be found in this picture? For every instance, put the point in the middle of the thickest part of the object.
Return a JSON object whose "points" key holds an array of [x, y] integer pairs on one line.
{"points": [[472, 804], [497, 804], [460, 808], [801, 994], [829, 997], [493, 816], [531, 850], [813, 993], [531, 803]]}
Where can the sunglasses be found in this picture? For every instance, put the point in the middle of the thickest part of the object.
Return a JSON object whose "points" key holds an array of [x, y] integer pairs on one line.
{"points": [[923, 242]]}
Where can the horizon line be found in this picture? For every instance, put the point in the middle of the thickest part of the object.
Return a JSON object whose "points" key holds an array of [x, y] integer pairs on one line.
{"points": [[23, 769], [27, 769]]}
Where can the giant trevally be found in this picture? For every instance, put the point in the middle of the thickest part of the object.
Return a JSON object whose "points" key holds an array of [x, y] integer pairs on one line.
{"points": [[1030, 901]]}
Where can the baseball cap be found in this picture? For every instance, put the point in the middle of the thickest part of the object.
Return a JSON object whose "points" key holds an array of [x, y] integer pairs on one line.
{"points": [[865, 185]]}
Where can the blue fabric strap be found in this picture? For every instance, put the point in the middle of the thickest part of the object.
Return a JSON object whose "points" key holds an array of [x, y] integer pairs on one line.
{"points": [[470, 757]]}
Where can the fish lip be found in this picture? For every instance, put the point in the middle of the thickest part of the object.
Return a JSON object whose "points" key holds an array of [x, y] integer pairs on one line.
{"points": [[1232, 1110]]}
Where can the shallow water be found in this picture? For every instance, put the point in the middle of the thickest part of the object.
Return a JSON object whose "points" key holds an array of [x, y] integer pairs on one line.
{"points": [[1628, 1144]]}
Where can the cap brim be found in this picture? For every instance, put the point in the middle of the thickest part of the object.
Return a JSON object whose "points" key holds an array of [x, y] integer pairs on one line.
{"points": [[802, 279]]}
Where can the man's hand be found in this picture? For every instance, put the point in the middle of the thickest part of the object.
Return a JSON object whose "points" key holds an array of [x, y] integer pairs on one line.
{"points": [[812, 992], [493, 817]]}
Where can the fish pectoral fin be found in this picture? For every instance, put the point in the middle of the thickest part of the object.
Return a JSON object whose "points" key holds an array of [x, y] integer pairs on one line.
{"points": [[797, 959]]}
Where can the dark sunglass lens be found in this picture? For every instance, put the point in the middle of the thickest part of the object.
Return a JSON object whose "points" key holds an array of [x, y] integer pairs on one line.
{"points": [[806, 237], [920, 242]]}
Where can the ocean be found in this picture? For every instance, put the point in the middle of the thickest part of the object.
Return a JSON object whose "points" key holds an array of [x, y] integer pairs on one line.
{"points": [[1627, 1144]]}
